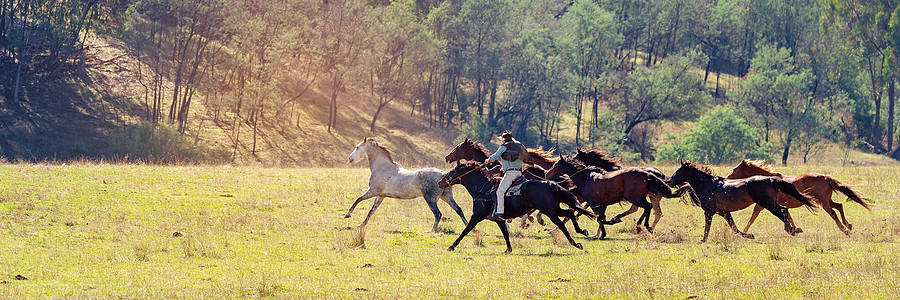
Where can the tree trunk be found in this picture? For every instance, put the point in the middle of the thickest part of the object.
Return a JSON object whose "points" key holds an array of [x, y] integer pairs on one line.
{"points": [[787, 149], [890, 135]]}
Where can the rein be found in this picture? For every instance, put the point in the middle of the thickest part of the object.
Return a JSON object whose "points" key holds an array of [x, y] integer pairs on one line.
{"points": [[464, 174]]}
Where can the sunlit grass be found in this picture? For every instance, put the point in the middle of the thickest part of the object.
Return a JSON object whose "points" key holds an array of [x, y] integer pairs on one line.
{"points": [[133, 231]]}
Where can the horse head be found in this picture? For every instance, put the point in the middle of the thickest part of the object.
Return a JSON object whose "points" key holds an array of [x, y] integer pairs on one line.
{"points": [[360, 151], [455, 175], [563, 166], [459, 152]]}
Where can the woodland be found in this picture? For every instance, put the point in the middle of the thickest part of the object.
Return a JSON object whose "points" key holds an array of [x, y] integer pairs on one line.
{"points": [[769, 79]]}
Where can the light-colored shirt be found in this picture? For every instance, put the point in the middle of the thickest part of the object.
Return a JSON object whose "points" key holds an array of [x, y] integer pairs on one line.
{"points": [[517, 164]]}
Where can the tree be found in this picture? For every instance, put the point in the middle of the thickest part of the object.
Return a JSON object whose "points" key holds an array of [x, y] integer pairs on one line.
{"points": [[780, 93], [718, 137], [668, 91]]}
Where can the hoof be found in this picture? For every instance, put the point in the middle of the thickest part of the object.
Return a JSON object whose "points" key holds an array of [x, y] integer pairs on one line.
{"points": [[451, 248], [508, 251], [849, 226], [578, 245], [650, 229], [585, 232], [346, 215], [749, 236]]}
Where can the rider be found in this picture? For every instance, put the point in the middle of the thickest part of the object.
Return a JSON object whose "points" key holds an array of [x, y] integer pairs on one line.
{"points": [[511, 154]]}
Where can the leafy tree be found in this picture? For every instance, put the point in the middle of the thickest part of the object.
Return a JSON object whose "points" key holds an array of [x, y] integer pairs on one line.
{"points": [[780, 95], [668, 91], [718, 137]]}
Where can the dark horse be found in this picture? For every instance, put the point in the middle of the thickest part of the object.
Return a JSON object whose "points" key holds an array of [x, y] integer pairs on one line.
{"points": [[717, 195], [544, 196], [604, 189], [473, 150], [600, 159], [819, 187]]}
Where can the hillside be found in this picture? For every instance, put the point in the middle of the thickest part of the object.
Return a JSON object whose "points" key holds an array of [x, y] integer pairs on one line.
{"points": [[84, 117], [97, 115]]}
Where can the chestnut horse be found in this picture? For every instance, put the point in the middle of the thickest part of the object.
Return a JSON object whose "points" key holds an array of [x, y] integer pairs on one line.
{"points": [[818, 186], [544, 196], [717, 195], [601, 159], [601, 190]]}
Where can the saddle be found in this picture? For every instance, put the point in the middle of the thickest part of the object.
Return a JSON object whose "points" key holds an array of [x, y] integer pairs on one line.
{"points": [[514, 190]]}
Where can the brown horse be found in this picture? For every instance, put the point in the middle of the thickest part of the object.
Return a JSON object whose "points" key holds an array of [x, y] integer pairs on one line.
{"points": [[601, 159], [604, 189], [717, 195], [818, 186]]}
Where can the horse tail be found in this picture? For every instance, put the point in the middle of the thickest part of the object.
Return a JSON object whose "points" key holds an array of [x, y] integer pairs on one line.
{"points": [[569, 199], [686, 189], [658, 186], [846, 190], [786, 187]]}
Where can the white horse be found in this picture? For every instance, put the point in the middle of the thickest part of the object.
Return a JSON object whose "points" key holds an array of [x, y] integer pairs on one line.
{"points": [[389, 179]]}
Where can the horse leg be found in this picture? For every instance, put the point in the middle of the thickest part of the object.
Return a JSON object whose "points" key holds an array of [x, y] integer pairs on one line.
{"points": [[756, 209], [477, 216], [730, 221], [647, 206], [657, 210], [368, 194], [505, 231], [834, 216], [601, 215], [562, 227], [570, 215], [618, 218], [779, 211], [708, 216], [432, 204], [447, 196], [840, 208], [372, 210]]}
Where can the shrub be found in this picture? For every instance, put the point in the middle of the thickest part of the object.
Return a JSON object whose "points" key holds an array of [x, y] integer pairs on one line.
{"points": [[719, 136]]}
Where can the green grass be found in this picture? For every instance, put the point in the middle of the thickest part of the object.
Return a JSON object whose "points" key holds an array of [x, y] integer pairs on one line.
{"points": [[134, 231]]}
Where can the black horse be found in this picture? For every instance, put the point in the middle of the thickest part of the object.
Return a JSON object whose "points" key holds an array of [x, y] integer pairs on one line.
{"points": [[717, 195], [544, 196]]}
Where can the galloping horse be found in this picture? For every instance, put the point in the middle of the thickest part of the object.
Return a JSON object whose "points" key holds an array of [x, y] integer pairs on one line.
{"points": [[819, 187], [544, 196], [717, 195], [604, 189], [389, 179], [600, 159], [476, 151]]}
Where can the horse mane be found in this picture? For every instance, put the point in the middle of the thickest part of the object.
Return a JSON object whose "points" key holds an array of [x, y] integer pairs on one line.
{"points": [[483, 169], [702, 168], [387, 152], [600, 157], [759, 164], [546, 155], [478, 146], [575, 163]]}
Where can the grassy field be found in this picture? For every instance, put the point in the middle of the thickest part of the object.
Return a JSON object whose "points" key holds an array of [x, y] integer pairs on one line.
{"points": [[132, 231]]}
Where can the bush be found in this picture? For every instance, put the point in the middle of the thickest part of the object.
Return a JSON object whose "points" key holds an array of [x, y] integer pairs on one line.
{"points": [[161, 144], [719, 136]]}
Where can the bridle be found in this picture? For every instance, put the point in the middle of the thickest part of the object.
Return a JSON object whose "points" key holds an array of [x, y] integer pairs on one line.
{"points": [[464, 174]]}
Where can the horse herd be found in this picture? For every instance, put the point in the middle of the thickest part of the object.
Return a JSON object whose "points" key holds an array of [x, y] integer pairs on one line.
{"points": [[594, 178]]}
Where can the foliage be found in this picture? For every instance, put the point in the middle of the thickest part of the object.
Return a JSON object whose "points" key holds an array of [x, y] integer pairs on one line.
{"points": [[719, 137]]}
